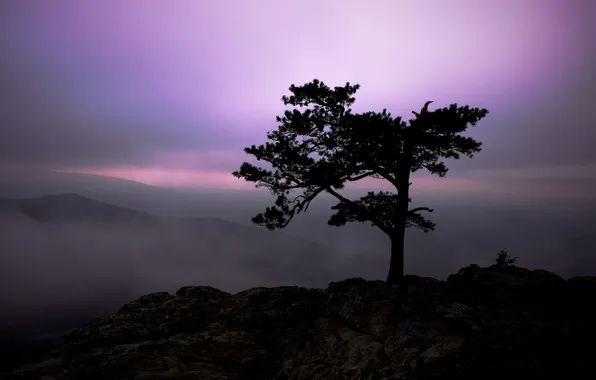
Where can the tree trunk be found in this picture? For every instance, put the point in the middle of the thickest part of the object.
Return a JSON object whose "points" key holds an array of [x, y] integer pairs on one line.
{"points": [[396, 264]]}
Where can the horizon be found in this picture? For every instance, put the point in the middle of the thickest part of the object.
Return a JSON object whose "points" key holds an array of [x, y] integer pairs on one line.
{"points": [[552, 188], [123, 90], [149, 105]]}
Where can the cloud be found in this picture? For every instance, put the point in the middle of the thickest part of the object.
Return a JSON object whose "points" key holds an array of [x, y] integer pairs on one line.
{"points": [[58, 269], [177, 178], [166, 87]]}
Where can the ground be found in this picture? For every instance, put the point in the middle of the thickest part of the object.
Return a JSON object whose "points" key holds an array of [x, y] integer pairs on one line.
{"points": [[486, 322]]}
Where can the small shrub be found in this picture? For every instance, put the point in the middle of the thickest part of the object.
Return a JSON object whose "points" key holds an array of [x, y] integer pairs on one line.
{"points": [[504, 260]]}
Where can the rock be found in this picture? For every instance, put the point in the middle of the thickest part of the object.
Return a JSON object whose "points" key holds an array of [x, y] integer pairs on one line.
{"points": [[482, 322], [442, 348], [510, 285], [201, 293], [583, 283]]}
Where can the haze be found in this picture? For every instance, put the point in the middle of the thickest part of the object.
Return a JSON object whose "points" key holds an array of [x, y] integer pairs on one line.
{"points": [[94, 96]]}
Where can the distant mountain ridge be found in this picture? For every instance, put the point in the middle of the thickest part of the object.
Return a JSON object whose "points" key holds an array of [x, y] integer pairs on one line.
{"points": [[130, 194], [71, 207], [175, 238], [66, 258]]}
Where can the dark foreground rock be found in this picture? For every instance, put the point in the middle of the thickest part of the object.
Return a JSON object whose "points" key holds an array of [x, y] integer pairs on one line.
{"points": [[481, 322]]}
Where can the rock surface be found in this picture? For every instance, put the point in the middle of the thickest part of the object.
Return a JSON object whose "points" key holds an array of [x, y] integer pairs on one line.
{"points": [[481, 322]]}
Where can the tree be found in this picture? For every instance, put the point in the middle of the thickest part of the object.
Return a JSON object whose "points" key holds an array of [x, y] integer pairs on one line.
{"points": [[321, 144], [504, 260]]}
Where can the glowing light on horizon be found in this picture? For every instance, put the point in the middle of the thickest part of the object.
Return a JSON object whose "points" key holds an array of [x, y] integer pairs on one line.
{"points": [[189, 179], [174, 90]]}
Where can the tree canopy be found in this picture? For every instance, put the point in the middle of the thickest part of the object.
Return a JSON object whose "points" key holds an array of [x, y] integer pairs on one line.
{"points": [[320, 145]]}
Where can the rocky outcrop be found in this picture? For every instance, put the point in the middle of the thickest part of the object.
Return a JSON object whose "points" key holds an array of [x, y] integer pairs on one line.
{"points": [[485, 322]]}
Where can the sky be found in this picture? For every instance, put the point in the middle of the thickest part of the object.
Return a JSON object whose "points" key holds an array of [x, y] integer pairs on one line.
{"points": [[170, 92]]}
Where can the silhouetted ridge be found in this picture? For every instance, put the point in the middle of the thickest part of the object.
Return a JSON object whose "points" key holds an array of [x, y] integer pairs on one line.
{"points": [[485, 323], [70, 207]]}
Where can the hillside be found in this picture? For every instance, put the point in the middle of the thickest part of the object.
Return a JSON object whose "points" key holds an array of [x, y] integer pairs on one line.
{"points": [[130, 194], [70, 208], [66, 259], [483, 323]]}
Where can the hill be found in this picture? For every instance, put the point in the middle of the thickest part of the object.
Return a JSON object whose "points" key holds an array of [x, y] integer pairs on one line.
{"points": [[120, 192], [66, 259], [70, 214], [70, 208], [548, 220], [484, 323]]}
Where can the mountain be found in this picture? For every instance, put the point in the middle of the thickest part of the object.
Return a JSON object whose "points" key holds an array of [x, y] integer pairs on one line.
{"points": [[71, 215], [223, 203], [70, 208], [549, 221], [67, 258], [485, 323]]}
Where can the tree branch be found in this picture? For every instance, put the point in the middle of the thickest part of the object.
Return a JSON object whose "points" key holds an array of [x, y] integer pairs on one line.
{"points": [[361, 176], [387, 176], [420, 209], [300, 206], [373, 219]]}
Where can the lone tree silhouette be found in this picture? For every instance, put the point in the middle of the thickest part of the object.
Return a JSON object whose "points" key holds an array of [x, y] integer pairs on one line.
{"points": [[320, 145]]}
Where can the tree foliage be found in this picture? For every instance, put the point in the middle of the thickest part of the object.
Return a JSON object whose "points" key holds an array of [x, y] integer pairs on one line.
{"points": [[504, 260], [320, 145]]}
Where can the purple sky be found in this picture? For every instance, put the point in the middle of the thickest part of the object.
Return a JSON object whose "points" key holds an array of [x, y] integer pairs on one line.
{"points": [[169, 92]]}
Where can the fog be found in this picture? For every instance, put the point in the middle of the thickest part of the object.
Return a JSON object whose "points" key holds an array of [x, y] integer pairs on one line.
{"points": [[85, 268], [55, 276]]}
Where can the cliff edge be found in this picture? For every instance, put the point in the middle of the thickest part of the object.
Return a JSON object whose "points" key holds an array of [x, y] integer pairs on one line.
{"points": [[482, 322]]}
